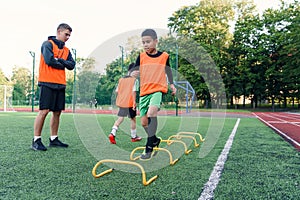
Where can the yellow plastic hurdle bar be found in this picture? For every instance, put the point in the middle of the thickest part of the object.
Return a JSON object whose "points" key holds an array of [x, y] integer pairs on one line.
{"points": [[201, 139], [169, 142], [172, 162], [185, 136], [144, 180]]}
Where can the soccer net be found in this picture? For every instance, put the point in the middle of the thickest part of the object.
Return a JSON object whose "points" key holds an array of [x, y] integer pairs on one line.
{"points": [[189, 94], [6, 92]]}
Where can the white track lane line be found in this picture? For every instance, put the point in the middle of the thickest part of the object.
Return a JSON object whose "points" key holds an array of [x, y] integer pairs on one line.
{"points": [[210, 186], [280, 132], [279, 119], [286, 116]]}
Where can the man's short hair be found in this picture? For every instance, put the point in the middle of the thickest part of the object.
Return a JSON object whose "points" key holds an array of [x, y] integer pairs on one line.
{"points": [[64, 26], [150, 32]]}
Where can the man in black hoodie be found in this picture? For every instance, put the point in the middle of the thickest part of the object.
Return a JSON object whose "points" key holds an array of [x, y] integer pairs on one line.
{"points": [[55, 57]]}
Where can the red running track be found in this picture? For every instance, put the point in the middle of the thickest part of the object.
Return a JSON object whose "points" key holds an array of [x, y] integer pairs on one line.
{"points": [[285, 124], [92, 111]]}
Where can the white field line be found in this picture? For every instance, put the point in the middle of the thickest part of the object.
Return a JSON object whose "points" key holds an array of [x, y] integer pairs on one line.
{"points": [[284, 122], [280, 120], [280, 132], [210, 186], [287, 115]]}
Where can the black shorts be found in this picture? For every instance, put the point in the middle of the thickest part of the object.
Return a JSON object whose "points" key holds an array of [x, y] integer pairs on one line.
{"points": [[52, 99], [123, 112]]}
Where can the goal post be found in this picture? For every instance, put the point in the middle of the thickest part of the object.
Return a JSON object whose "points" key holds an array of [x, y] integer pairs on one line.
{"points": [[6, 92], [189, 91]]}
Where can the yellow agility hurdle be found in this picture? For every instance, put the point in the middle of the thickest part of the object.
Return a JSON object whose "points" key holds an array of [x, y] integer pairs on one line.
{"points": [[145, 182], [172, 162], [185, 136], [201, 139], [169, 142]]}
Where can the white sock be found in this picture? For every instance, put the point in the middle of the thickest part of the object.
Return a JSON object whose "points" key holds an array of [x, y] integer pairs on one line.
{"points": [[114, 130], [52, 137], [133, 133], [36, 137]]}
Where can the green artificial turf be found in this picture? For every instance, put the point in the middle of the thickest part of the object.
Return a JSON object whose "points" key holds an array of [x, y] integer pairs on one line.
{"points": [[261, 165]]}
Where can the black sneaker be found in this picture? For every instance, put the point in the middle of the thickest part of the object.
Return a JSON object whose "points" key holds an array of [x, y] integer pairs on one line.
{"points": [[38, 145], [57, 143], [156, 144], [146, 156]]}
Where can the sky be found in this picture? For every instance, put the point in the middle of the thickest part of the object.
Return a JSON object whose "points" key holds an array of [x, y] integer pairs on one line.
{"points": [[26, 24]]}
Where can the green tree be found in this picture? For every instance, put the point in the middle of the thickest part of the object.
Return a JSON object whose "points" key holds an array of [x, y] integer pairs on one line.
{"points": [[113, 71], [289, 53], [87, 80], [69, 86], [108, 82], [87, 84], [246, 69], [280, 42], [234, 74], [207, 24], [3, 78], [21, 78]]}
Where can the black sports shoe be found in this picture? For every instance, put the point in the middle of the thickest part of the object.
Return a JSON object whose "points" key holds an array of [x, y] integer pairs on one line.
{"points": [[38, 145], [146, 156], [57, 143]]}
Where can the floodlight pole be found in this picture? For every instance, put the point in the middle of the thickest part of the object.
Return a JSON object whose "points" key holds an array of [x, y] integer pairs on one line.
{"points": [[32, 89], [176, 64], [122, 60], [176, 69], [74, 81]]}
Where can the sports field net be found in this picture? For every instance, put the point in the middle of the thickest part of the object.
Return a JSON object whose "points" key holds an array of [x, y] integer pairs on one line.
{"points": [[6, 92]]}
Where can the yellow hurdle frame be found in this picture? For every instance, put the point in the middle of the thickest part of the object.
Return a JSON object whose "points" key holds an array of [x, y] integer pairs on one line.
{"points": [[201, 139], [172, 162], [185, 136], [144, 180], [179, 136], [169, 142]]}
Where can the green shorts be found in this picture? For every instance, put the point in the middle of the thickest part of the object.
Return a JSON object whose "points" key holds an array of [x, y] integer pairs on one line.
{"points": [[153, 99]]}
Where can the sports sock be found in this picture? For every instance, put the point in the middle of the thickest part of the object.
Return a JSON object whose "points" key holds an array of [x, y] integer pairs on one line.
{"points": [[36, 137], [152, 126], [133, 133], [114, 130], [52, 137]]}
